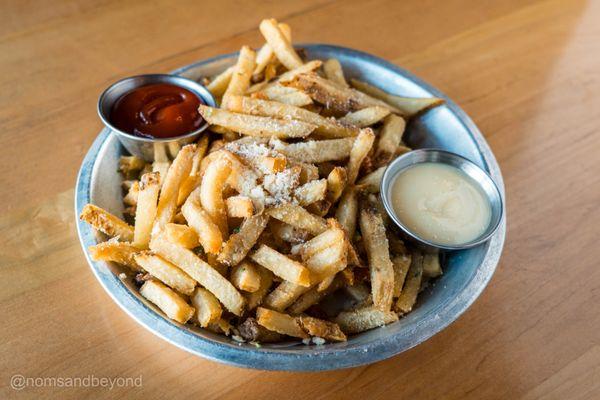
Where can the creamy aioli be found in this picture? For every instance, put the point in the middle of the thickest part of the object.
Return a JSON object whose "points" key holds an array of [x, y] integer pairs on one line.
{"points": [[440, 203]]}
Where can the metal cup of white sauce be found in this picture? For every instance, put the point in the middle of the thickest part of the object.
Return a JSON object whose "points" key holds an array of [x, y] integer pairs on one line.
{"points": [[478, 177]]}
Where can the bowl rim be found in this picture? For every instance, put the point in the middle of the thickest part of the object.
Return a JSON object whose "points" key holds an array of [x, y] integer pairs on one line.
{"points": [[311, 358]]}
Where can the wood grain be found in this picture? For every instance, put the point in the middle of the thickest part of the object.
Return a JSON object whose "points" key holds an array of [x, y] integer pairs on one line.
{"points": [[527, 72]]}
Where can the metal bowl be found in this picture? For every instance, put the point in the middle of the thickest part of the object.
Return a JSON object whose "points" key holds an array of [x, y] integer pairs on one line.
{"points": [[479, 176], [142, 147], [466, 272]]}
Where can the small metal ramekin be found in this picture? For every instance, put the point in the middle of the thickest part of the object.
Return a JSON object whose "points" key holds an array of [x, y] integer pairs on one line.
{"points": [[485, 182], [148, 148]]}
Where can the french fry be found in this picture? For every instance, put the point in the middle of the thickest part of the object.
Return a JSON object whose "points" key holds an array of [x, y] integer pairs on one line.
{"points": [[162, 167], [365, 117], [265, 55], [208, 309], [145, 213], [281, 265], [325, 283], [211, 193], [320, 328], [167, 300], [412, 284], [302, 69], [313, 296], [239, 206], [119, 252], [337, 98], [106, 222], [361, 147], [328, 261], [405, 106], [182, 235], [166, 272], [283, 94], [328, 238], [281, 46], [218, 85], [364, 319], [209, 234], [380, 265], [311, 192], [431, 265], [239, 244], [200, 271], [298, 217], [193, 180], [255, 299], [328, 127], [390, 137], [308, 172], [279, 322], [245, 276], [333, 72], [240, 80], [372, 182], [336, 182], [401, 264], [347, 211], [130, 164], [315, 151], [284, 295], [287, 233], [253, 125], [178, 171], [132, 194]]}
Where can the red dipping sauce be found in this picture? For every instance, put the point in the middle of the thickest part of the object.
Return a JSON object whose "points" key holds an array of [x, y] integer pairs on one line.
{"points": [[159, 110]]}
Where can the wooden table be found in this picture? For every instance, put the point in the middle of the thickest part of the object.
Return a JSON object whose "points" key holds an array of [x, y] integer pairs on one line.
{"points": [[527, 72]]}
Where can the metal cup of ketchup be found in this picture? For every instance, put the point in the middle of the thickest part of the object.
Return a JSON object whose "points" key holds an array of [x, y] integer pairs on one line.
{"points": [[154, 115]]}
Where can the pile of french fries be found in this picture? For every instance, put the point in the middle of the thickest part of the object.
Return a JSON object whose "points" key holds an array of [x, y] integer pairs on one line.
{"points": [[252, 229]]}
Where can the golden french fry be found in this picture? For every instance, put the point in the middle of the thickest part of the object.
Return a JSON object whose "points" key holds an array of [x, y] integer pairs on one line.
{"points": [[327, 239], [328, 261], [193, 180], [431, 265], [284, 295], [145, 213], [321, 328], [130, 164], [281, 46], [166, 272], [201, 271], [106, 222], [406, 106], [265, 55], [239, 207], [239, 244], [245, 276], [365, 117], [412, 284], [308, 172], [372, 182], [336, 182], [315, 151], [281, 265], [390, 136], [209, 234], [279, 322], [401, 264], [240, 80], [298, 217], [364, 319], [311, 192], [253, 125], [218, 85], [167, 300], [333, 72], [255, 299], [182, 235], [313, 296], [361, 147], [283, 94], [119, 252], [131, 197], [208, 309], [380, 265], [287, 233], [347, 211], [211, 193]]}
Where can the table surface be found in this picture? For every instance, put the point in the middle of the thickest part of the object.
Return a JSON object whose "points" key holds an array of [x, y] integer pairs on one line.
{"points": [[527, 72]]}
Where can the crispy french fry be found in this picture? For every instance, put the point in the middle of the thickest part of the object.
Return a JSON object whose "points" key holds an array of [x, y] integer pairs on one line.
{"points": [[287, 233], [347, 211], [380, 265], [305, 68], [308, 172], [182, 235], [201, 271], [130, 164], [245, 276], [119, 252], [365, 117], [162, 167], [281, 265], [325, 283], [193, 180], [218, 85], [311, 192], [298, 217], [412, 284], [364, 319], [167, 300], [106, 222], [253, 125], [281, 46], [431, 265], [208, 309], [362, 145], [240, 80], [321, 328], [336, 182], [284, 295], [209, 234], [283, 94], [145, 213], [372, 182], [279, 322], [211, 193], [334, 72], [239, 207], [256, 298], [406, 106], [178, 171], [390, 137], [315, 151], [313, 296], [166, 272], [265, 55], [401, 264], [132, 194], [239, 244], [328, 238], [328, 261]]}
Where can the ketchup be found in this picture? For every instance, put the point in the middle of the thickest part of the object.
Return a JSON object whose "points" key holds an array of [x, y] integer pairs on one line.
{"points": [[157, 111]]}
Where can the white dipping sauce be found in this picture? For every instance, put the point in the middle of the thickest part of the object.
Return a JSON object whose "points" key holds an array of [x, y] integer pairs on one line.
{"points": [[440, 203]]}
